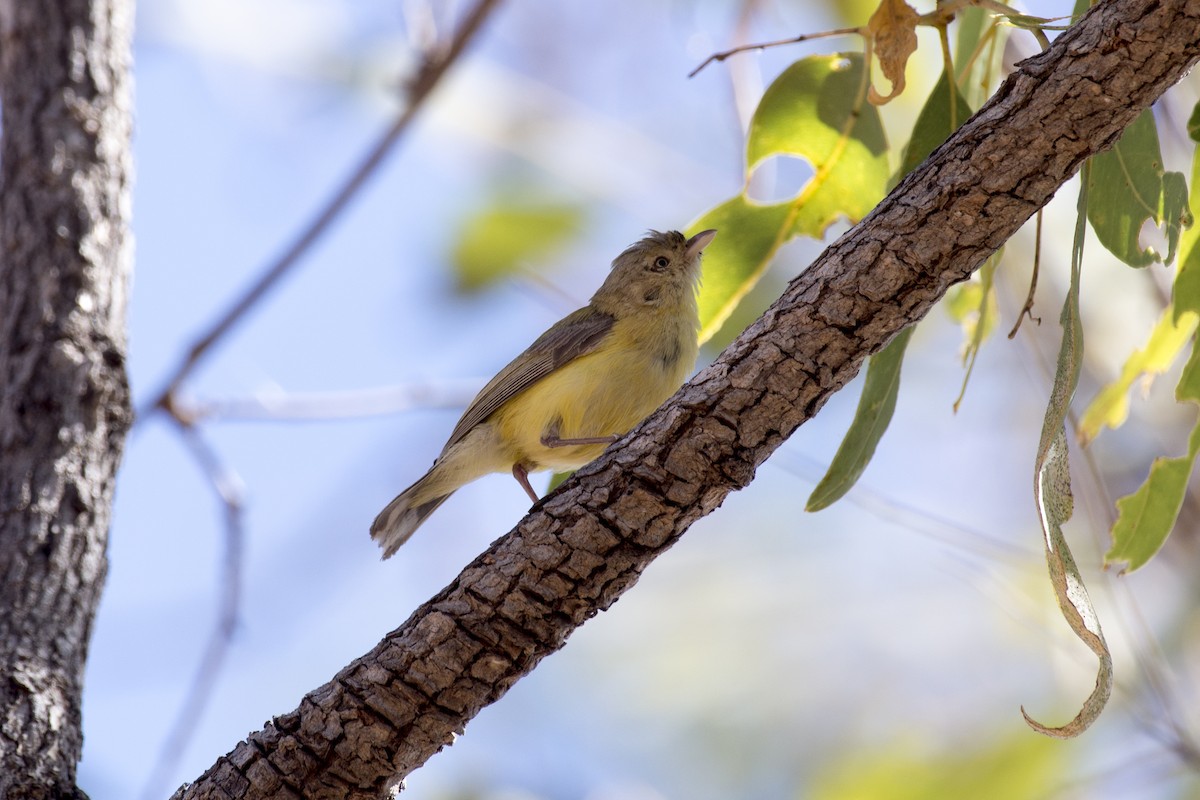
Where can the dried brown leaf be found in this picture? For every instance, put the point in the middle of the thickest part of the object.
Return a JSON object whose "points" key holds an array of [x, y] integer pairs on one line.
{"points": [[892, 31]]}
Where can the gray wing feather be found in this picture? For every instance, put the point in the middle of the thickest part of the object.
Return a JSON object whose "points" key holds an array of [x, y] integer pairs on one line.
{"points": [[577, 334]]}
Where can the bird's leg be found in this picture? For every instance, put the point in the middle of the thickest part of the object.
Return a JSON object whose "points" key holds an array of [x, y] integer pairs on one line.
{"points": [[522, 476], [550, 437], [552, 440]]}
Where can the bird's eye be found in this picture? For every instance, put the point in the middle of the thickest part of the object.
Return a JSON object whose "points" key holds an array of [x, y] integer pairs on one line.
{"points": [[661, 263]]}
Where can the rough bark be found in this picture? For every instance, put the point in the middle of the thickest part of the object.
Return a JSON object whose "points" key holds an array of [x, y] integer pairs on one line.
{"points": [[580, 549], [64, 400]]}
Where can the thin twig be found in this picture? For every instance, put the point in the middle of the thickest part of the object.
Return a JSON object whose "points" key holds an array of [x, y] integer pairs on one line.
{"points": [[228, 488], [1027, 308], [938, 18], [764, 45], [427, 78], [281, 406]]}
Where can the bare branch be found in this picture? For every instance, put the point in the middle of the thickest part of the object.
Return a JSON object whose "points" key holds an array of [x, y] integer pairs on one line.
{"points": [[280, 405], [430, 73], [1027, 308], [745, 48], [228, 488], [386, 713]]}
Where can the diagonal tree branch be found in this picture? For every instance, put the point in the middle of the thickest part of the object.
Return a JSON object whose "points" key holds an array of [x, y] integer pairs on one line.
{"points": [[387, 712]]}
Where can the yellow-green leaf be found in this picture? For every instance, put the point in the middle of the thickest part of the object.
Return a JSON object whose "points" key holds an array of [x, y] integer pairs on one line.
{"points": [[1175, 213], [1110, 407], [507, 236], [989, 768], [871, 418], [749, 234], [1146, 517], [972, 304], [1185, 295], [815, 110]]}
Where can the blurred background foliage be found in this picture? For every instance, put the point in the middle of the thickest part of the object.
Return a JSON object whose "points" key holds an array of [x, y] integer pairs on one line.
{"points": [[878, 649]]}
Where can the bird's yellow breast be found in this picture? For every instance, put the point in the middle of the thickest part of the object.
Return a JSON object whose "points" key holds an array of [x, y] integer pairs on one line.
{"points": [[641, 362]]}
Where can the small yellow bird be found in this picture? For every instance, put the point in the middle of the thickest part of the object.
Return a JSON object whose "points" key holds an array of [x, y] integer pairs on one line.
{"points": [[581, 386]]}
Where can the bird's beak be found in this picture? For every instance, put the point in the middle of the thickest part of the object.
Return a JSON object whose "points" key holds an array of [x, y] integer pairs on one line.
{"points": [[698, 242]]}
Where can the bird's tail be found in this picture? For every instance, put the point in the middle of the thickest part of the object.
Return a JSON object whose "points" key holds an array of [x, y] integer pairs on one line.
{"points": [[401, 517]]}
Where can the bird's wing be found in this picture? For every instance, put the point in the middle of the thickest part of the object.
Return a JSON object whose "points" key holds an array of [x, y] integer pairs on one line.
{"points": [[577, 334]]}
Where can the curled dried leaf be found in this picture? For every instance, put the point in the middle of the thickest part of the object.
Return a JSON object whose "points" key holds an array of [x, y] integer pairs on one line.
{"points": [[892, 35]]}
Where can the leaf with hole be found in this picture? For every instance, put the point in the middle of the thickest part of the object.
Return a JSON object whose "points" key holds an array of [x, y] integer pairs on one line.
{"points": [[815, 110]]}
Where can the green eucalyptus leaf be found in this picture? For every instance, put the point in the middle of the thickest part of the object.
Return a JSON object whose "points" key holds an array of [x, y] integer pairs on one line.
{"points": [[942, 113], [815, 110], [1146, 517], [876, 406], [1128, 188]]}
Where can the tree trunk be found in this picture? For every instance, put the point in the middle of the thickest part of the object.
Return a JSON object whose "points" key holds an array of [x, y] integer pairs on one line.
{"points": [[64, 399], [578, 550]]}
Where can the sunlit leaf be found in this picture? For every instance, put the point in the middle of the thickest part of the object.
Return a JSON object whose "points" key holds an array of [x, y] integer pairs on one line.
{"points": [[1055, 503], [1146, 517], [871, 418], [1185, 295], [815, 110], [893, 32], [750, 233], [962, 300], [1110, 408], [1128, 188], [506, 237]]}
